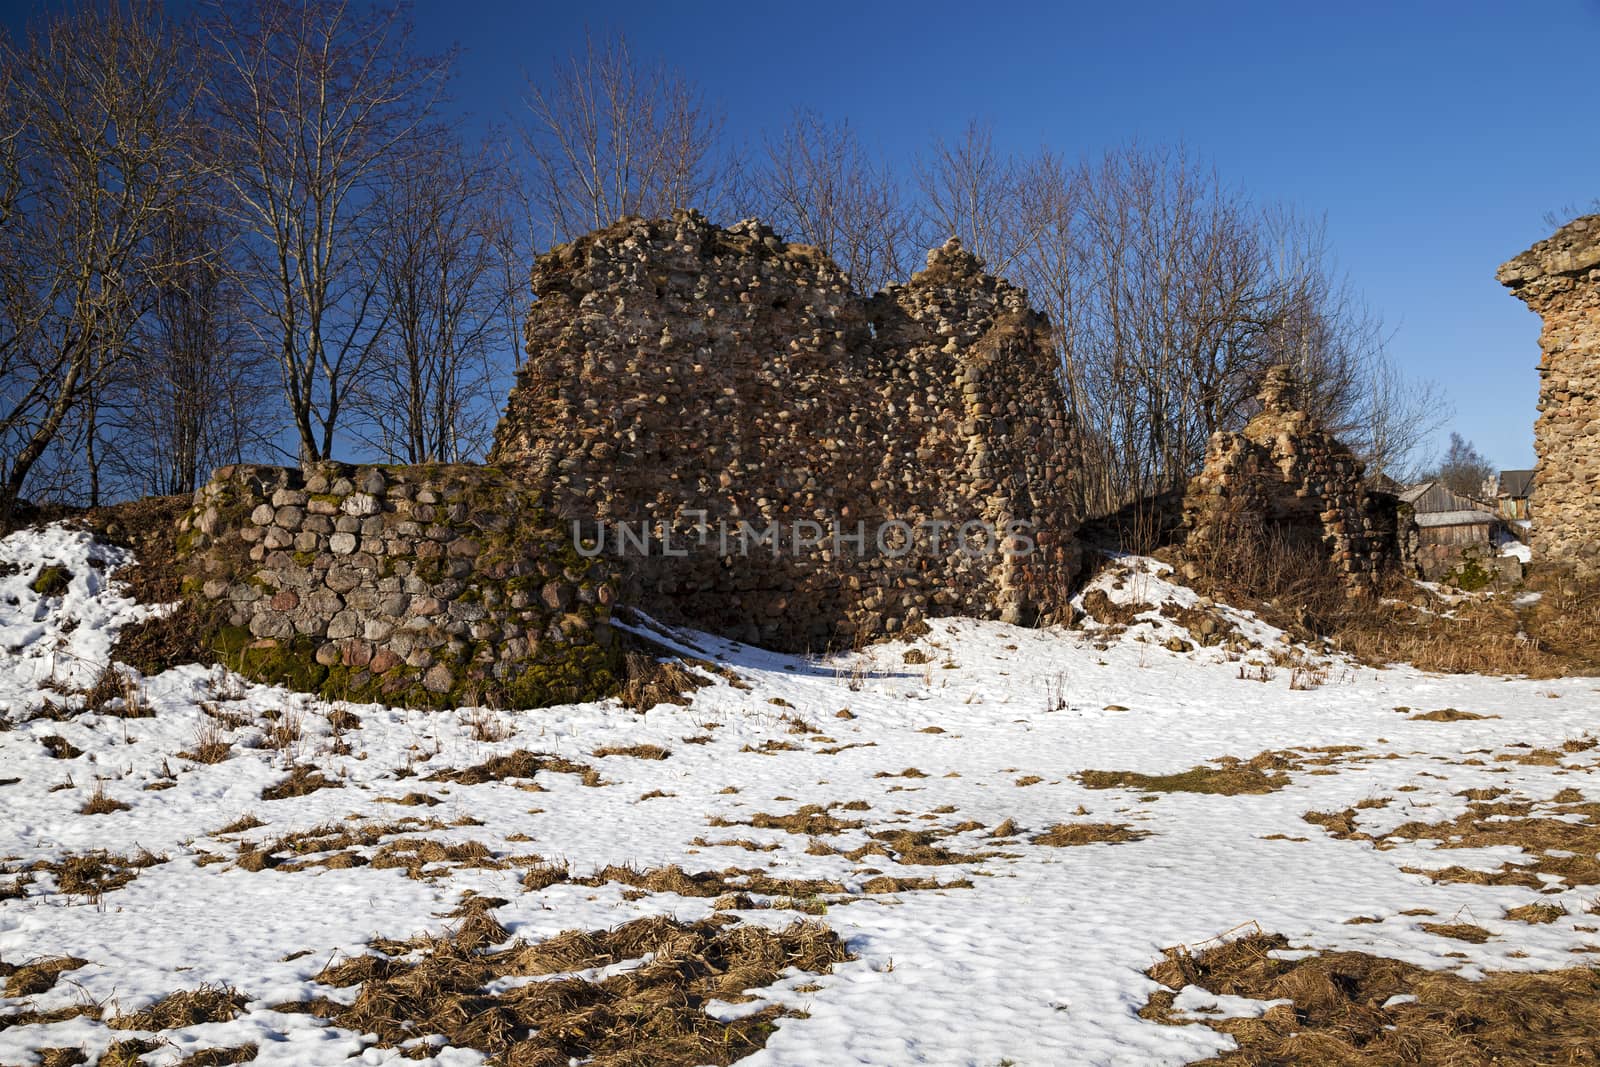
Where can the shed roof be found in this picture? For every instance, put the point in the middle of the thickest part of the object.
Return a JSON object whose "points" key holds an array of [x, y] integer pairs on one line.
{"points": [[1465, 517]]}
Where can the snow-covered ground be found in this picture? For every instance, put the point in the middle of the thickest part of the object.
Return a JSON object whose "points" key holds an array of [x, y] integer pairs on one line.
{"points": [[1040, 961]]}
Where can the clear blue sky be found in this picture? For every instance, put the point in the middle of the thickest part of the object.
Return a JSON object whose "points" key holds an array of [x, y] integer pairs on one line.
{"points": [[1433, 137]]}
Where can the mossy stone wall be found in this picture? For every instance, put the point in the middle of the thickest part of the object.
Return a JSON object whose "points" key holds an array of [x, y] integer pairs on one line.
{"points": [[436, 585]]}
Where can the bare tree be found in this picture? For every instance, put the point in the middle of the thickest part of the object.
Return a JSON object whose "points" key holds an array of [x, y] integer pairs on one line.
{"points": [[445, 250], [608, 137], [816, 184], [194, 393], [95, 153], [989, 200], [312, 104], [1464, 469], [1398, 417]]}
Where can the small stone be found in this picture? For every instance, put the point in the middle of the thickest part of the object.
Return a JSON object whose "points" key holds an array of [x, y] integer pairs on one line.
{"points": [[263, 515], [328, 654], [342, 544], [382, 661], [361, 504]]}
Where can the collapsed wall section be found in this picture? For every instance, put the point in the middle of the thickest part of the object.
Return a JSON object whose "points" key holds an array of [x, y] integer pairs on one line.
{"points": [[427, 585], [812, 467], [1284, 477]]}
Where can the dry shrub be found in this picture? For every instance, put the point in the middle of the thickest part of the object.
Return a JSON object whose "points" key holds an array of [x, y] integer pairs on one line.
{"points": [[40, 975], [651, 1014], [653, 681], [302, 780], [518, 764], [636, 751], [210, 745], [1262, 773], [117, 693], [153, 645], [189, 1007], [1066, 835], [100, 804], [1338, 1015]]}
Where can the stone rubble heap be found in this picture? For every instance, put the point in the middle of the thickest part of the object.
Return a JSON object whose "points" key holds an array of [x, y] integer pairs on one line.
{"points": [[426, 585], [1559, 279], [692, 378], [1284, 476]]}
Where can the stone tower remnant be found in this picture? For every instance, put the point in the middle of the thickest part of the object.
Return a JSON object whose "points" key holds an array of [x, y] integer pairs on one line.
{"points": [[1559, 279]]}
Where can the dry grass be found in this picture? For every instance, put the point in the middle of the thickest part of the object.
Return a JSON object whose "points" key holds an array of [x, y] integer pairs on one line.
{"points": [[60, 748], [636, 751], [210, 745], [1231, 776], [1338, 1015], [653, 681], [811, 820], [518, 764], [1563, 841], [1066, 835], [189, 1007], [98, 803], [40, 975], [302, 780], [651, 1014], [1449, 715]]}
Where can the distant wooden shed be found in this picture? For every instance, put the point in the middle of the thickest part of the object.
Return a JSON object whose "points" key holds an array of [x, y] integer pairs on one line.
{"points": [[1447, 518], [1513, 492]]}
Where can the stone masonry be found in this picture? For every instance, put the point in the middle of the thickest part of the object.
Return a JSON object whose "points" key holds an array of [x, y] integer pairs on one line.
{"points": [[437, 585], [694, 378], [1283, 475], [1559, 279]]}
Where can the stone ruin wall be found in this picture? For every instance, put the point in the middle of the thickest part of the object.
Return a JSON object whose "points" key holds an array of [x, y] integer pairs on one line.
{"points": [[1284, 474], [436, 585], [677, 368], [1559, 279]]}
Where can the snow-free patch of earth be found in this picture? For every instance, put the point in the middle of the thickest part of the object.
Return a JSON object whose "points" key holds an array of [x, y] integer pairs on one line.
{"points": [[1046, 901]]}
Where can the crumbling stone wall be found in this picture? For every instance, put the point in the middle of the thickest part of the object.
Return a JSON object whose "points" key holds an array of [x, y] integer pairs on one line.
{"points": [[430, 585], [1282, 474], [1559, 278], [694, 378]]}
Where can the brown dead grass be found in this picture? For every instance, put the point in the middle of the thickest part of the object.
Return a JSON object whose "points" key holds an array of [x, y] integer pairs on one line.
{"points": [[518, 764], [652, 752], [652, 1014], [1449, 715], [653, 681], [87, 874], [1562, 840], [811, 820], [98, 803], [302, 780], [40, 975], [1066, 835], [190, 1007], [1230, 776], [1338, 1015]]}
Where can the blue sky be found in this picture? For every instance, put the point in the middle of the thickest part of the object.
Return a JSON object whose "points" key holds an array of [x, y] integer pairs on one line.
{"points": [[1433, 137]]}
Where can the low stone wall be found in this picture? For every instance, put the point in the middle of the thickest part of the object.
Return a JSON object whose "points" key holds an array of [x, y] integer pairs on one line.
{"points": [[431, 585], [692, 378], [1285, 476], [1559, 279]]}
